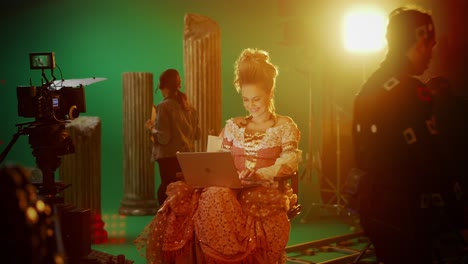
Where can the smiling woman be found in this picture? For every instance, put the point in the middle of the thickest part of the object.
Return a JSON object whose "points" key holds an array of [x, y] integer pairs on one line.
{"points": [[223, 225]]}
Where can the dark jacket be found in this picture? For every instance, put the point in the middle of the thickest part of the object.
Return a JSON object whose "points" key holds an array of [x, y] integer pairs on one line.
{"points": [[395, 135], [175, 129]]}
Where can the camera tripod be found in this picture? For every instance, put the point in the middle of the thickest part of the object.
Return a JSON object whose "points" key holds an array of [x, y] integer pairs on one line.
{"points": [[49, 141]]}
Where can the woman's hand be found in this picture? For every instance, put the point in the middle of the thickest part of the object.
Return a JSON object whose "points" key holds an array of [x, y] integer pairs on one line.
{"points": [[149, 124], [248, 175]]}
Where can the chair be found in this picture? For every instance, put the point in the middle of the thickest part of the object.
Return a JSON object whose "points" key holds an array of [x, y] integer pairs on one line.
{"points": [[293, 180]]}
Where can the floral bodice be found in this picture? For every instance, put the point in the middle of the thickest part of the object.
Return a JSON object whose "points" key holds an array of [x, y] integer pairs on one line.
{"points": [[271, 153]]}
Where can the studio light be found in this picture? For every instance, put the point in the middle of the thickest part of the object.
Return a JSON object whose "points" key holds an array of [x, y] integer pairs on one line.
{"points": [[364, 30]]}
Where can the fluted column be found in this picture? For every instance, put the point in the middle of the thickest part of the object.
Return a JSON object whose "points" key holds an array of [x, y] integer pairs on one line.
{"points": [[82, 170], [202, 70], [139, 195]]}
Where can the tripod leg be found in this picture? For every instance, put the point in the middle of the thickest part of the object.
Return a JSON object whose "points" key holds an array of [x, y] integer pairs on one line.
{"points": [[363, 252], [9, 146]]}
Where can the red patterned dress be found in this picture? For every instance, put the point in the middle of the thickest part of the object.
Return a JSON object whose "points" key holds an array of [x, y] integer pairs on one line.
{"points": [[222, 225]]}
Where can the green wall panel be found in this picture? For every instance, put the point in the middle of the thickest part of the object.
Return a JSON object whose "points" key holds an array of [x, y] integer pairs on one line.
{"points": [[106, 38]]}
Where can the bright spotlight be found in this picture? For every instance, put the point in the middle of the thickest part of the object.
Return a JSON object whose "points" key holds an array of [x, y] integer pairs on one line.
{"points": [[364, 30]]}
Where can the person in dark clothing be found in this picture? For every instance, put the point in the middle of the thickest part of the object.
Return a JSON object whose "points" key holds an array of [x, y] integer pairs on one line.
{"points": [[406, 186], [175, 129]]}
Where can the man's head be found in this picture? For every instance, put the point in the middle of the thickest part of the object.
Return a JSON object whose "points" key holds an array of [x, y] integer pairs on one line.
{"points": [[411, 32]]}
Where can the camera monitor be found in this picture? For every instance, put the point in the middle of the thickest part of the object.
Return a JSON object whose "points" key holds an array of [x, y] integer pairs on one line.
{"points": [[43, 60]]}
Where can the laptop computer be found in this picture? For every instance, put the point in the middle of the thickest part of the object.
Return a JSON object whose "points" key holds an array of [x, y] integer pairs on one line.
{"points": [[207, 169]]}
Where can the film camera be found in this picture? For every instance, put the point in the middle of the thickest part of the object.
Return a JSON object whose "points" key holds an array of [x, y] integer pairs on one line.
{"points": [[49, 102], [52, 105]]}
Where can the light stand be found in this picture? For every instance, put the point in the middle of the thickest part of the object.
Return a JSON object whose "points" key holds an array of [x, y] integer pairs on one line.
{"points": [[309, 165], [335, 188], [313, 159], [312, 162], [339, 197]]}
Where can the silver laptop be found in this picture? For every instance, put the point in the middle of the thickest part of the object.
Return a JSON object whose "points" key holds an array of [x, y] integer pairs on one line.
{"points": [[207, 169]]}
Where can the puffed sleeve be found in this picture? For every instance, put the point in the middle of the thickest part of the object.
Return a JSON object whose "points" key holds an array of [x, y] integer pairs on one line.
{"points": [[288, 161]]}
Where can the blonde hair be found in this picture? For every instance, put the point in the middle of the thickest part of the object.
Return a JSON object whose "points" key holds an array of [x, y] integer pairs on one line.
{"points": [[254, 67]]}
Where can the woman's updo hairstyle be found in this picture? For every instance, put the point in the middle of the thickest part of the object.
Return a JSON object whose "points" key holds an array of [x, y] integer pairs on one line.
{"points": [[254, 67]]}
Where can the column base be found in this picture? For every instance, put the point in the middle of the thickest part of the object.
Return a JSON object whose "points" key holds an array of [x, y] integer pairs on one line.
{"points": [[138, 207]]}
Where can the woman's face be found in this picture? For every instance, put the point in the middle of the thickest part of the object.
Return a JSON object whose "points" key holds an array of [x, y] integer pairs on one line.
{"points": [[256, 100]]}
